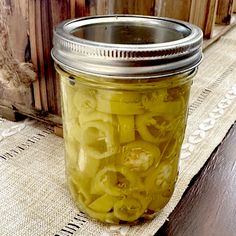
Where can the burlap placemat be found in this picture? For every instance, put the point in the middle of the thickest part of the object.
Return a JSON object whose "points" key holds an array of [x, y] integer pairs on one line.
{"points": [[34, 199]]}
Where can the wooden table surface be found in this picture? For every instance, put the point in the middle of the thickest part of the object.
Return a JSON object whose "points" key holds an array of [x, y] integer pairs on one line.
{"points": [[208, 207]]}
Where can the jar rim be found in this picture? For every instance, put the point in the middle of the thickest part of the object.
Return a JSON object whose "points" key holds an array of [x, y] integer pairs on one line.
{"points": [[127, 45]]}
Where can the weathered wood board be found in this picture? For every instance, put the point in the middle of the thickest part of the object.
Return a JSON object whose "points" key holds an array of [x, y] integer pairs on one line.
{"points": [[16, 70], [224, 11], [28, 82], [203, 14]]}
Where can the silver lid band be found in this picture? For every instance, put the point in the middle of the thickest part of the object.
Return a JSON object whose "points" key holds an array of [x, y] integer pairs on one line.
{"points": [[127, 45]]}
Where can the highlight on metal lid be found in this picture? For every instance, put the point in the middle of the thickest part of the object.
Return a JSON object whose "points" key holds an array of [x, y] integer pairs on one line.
{"points": [[127, 45]]}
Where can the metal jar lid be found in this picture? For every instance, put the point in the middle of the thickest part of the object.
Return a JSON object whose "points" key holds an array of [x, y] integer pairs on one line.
{"points": [[127, 46]]}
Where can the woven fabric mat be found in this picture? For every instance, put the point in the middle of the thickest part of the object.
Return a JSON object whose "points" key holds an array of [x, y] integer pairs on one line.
{"points": [[34, 199]]}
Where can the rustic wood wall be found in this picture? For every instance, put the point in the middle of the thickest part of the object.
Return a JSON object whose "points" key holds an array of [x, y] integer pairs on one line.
{"points": [[168, 8], [174, 9], [203, 14], [224, 11], [27, 78], [44, 15], [16, 70]]}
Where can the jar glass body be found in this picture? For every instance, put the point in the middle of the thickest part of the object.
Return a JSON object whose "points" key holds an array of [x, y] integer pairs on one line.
{"points": [[122, 142]]}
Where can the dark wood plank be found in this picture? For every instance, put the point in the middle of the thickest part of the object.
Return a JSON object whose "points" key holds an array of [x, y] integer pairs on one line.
{"points": [[203, 14], [58, 11], [210, 18], [33, 50], [40, 55], [40, 115], [218, 31], [174, 9], [18, 38], [209, 205], [10, 114], [48, 63], [224, 11]]}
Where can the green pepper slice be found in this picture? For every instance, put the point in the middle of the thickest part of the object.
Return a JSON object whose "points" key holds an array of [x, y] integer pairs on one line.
{"points": [[162, 178], [174, 93], [116, 181], [79, 186], [87, 165], [95, 207], [102, 204], [140, 156], [170, 149], [126, 128], [72, 152], [96, 116], [158, 202], [121, 96], [108, 217], [99, 139], [160, 184], [84, 100], [157, 103], [153, 127], [69, 110], [73, 131], [128, 209], [152, 99], [119, 107]]}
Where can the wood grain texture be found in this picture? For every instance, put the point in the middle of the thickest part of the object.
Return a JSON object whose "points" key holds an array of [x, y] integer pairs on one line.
{"points": [[209, 205], [58, 131], [224, 11], [40, 115], [139, 7], [16, 71], [210, 18], [46, 36], [11, 114], [218, 31], [33, 40], [103, 7], [44, 15], [203, 14], [80, 8], [18, 38], [40, 55], [175, 9], [58, 11], [33, 50]]}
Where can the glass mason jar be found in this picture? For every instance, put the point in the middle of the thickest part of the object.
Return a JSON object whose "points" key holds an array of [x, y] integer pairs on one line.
{"points": [[125, 84]]}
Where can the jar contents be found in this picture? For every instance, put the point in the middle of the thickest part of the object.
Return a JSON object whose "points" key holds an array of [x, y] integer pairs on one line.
{"points": [[125, 84], [122, 145]]}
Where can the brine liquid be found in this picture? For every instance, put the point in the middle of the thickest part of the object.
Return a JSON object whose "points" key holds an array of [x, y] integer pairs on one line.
{"points": [[122, 145]]}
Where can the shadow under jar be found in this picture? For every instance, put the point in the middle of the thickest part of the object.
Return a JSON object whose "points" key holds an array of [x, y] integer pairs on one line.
{"points": [[125, 84]]}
